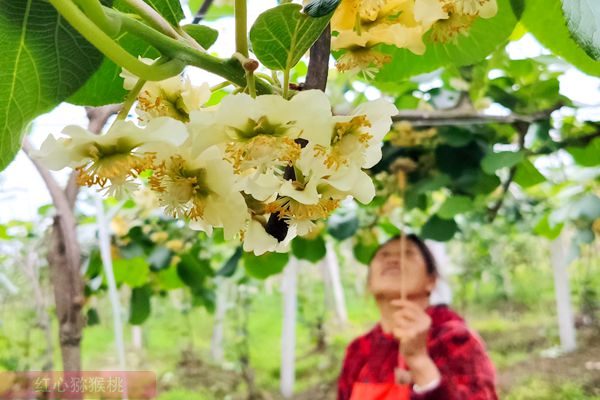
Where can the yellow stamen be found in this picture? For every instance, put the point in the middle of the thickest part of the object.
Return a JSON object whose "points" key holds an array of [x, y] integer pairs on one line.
{"points": [[116, 168], [262, 151], [289, 208], [181, 189]]}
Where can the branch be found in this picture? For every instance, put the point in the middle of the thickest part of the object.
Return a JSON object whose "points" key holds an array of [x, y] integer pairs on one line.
{"points": [[202, 11], [521, 127], [318, 65], [460, 116]]}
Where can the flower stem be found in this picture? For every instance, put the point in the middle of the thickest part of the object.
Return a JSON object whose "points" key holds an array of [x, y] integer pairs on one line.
{"points": [[220, 86], [229, 69], [241, 27], [131, 98], [93, 10], [241, 42], [286, 83], [110, 48], [152, 17]]}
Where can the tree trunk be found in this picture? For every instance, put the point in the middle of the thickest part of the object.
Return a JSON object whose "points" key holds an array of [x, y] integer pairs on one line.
{"points": [[564, 309], [337, 289], [68, 296], [216, 341], [288, 332]]}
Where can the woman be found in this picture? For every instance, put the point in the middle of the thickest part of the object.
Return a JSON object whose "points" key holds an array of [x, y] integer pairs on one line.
{"points": [[417, 351]]}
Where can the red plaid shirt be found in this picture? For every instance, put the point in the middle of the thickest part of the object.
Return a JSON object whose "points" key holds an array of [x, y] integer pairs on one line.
{"points": [[467, 372]]}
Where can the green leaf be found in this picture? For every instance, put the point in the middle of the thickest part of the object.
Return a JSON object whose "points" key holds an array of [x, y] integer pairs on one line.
{"points": [[280, 36], [203, 297], [545, 20], [170, 9], [133, 272], [231, 265], [588, 156], [139, 305], [544, 228], [320, 8], [204, 35], [484, 37], [106, 86], [504, 159], [310, 250], [342, 225], [193, 270], [527, 174], [263, 266], [45, 210], [43, 62], [94, 264], [455, 137], [168, 279], [365, 247], [455, 205], [583, 20], [439, 229], [92, 317]]}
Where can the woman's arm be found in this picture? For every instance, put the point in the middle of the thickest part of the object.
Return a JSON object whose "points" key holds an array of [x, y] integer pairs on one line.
{"points": [[466, 371], [454, 366]]}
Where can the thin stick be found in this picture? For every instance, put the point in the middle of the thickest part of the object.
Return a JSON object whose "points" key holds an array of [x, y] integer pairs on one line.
{"points": [[402, 256]]}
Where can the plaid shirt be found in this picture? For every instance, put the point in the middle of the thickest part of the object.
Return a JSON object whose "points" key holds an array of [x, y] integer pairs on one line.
{"points": [[467, 372]]}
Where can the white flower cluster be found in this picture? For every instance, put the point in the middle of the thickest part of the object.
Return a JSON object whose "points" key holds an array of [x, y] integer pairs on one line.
{"points": [[235, 165]]}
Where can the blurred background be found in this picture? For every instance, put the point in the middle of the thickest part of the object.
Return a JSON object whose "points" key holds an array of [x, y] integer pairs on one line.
{"points": [[515, 236]]}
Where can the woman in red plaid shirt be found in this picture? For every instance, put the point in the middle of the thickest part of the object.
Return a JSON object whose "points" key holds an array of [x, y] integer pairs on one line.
{"points": [[416, 351]]}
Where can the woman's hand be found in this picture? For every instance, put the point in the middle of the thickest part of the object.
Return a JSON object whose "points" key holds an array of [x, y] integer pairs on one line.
{"points": [[411, 328]]}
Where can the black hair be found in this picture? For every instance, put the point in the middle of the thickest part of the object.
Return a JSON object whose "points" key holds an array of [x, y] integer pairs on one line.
{"points": [[430, 264]]}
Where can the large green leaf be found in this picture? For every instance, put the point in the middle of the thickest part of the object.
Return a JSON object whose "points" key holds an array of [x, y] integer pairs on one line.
{"points": [[280, 36], [170, 9], [134, 272], [528, 175], [545, 20], [193, 270], [439, 229], [455, 205], [588, 156], [503, 159], [544, 228], [106, 86], [230, 266], [139, 306], [43, 62], [583, 19], [484, 37], [311, 250], [319, 8], [268, 264], [342, 224]]}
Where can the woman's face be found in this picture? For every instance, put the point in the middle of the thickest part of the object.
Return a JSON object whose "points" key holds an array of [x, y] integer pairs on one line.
{"points": [[386, 275]]}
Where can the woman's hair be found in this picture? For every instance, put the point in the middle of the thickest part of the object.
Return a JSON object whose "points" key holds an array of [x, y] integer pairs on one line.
{"points": [[430, 264]]}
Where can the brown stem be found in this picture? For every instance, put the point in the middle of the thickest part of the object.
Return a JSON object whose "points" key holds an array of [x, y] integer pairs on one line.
{"points": [[318, 65]]}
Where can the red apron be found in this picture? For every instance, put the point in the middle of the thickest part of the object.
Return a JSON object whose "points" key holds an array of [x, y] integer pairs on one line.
{"points": [[381, 391]]}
